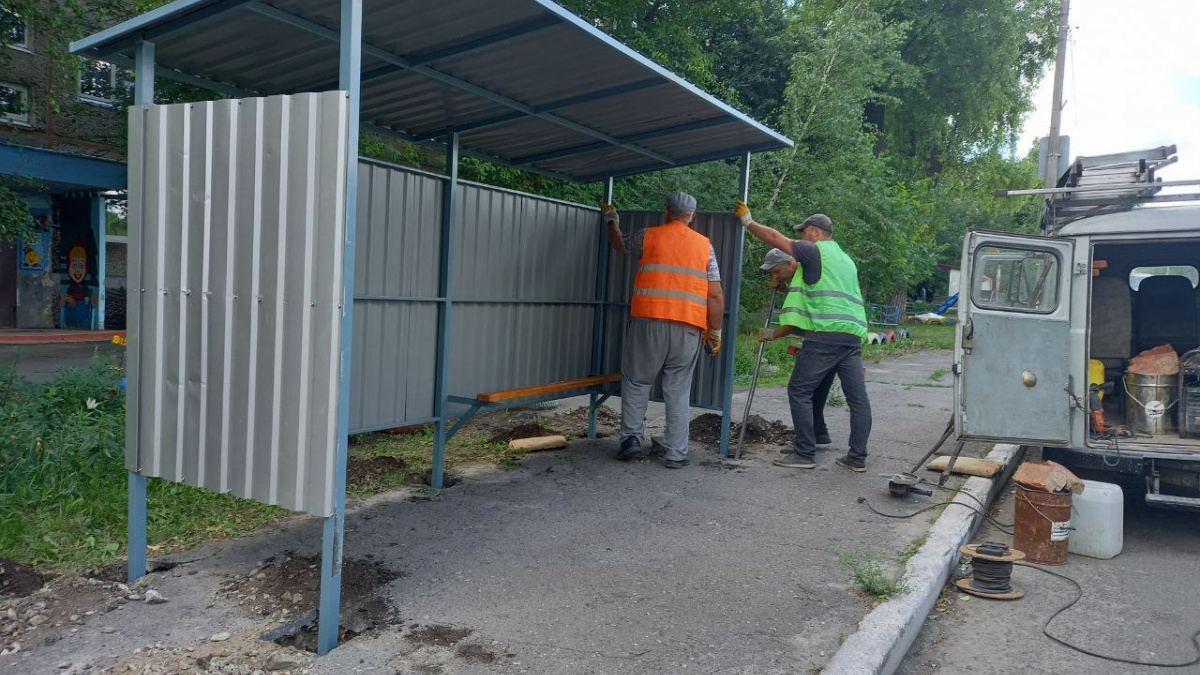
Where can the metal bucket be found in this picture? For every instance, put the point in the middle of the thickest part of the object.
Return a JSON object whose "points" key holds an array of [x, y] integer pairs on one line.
{"points": [[1042, 525], [1150, 407]]}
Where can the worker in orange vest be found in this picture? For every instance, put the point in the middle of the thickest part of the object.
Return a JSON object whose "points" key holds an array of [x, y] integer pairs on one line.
{"points": [[677, 306]]}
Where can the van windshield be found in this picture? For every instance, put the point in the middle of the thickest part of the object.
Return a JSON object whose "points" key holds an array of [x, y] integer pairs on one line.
{"points": [[1140, 274]]}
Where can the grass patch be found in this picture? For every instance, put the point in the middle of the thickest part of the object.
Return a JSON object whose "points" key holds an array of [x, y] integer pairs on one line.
{"points": [[777, 363], [413, 457], [911, 549], [867, 572], [63, 479], [938, 374], [914, 405]]}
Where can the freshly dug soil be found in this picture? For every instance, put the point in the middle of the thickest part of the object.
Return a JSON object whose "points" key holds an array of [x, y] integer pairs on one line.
{"points": [[575, 422], [371, 470], [18, 580], [706, 429], [527, 430], [437, 635]]}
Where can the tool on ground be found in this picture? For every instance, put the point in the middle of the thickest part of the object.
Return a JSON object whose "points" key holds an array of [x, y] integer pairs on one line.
{"points": [[900, 484], [936, 446], [754, 377], [1101, 430], [991, 571]]}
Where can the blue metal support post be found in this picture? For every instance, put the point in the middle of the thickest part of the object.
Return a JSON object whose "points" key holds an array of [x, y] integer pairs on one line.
{"points": [[449, 204], [600, 321], [349, 74], [734, 297], [143, 94], [100, 232]]}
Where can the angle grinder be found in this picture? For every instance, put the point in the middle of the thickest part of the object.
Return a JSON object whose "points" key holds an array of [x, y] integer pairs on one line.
{"points": [[900, 484]]}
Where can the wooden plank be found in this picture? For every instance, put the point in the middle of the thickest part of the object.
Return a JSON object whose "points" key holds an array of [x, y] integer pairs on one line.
{"points": [[538, 443], [565, 385], [968, 465]]}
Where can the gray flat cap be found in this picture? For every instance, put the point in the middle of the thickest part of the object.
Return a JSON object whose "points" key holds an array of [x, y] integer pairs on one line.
{"points": [[775, 258], [681, 202], [817, 220]]}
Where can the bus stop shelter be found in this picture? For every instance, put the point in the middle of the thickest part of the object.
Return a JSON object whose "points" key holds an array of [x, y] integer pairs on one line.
{"points": [[286, 293]]}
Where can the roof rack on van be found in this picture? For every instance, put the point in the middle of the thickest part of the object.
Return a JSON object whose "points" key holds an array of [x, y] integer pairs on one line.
{"points": [[1103, 184]]}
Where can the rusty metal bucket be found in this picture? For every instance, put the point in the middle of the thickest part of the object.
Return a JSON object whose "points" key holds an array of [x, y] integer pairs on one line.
{"points": [[1042, 525]]}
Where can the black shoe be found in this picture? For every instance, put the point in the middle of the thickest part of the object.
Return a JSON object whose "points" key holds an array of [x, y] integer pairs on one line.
{"points": [[676, 463], [794, 461], [852, 464], [630, 447], [824, 439]]}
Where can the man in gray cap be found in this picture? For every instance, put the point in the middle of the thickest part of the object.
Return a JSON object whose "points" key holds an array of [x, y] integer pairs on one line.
{"points": [[824, 305], [782, 267], [677, 305]]}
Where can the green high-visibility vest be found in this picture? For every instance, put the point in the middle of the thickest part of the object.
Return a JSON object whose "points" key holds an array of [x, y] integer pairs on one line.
{"points": [[833, 304]]}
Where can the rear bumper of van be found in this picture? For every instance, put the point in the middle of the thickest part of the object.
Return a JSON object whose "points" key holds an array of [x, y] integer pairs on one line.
{"points": [[1178, 472]]}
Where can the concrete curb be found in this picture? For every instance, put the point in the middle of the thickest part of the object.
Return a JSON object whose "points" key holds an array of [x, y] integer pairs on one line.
{"points": [[886, 633]]}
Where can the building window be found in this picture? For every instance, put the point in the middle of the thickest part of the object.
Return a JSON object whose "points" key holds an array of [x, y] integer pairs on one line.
{"points": [[14, 30], [14, 103], [102, 83]]}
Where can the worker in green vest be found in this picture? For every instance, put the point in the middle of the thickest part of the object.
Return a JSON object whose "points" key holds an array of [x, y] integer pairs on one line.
{"points": [[824, 306]]}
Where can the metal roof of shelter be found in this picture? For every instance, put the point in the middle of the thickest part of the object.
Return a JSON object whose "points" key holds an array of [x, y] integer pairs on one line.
{"points": [[525, 83]]}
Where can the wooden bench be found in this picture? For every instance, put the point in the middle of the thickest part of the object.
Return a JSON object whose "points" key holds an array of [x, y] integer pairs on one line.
{"points": [[551, 388], [491, 399]]}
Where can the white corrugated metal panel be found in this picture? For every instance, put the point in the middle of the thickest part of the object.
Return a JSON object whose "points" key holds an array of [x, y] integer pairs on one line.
{"points": [[722, 229], [237, 233]]}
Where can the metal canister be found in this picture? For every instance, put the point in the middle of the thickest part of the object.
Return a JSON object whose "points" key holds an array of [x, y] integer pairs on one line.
{"points": [[1151, 405], [1042, 525]]}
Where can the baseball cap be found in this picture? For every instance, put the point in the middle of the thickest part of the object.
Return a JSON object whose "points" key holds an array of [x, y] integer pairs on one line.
{"points": [[681, 202], [819, 220], [773, 259]]}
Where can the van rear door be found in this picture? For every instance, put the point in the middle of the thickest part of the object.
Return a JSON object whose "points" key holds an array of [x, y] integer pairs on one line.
{"points": [[1013, 343]]}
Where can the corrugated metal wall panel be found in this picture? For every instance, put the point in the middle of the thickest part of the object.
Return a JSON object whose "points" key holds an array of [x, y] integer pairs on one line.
{"points": [[237, 226], [395, 340], [722, 229]]}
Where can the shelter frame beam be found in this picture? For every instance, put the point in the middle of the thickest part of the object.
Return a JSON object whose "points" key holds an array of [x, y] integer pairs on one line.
{"points": [[143, 94], [599, 320], [350, 75], [404, 63], [442, 367], [735, 293]]}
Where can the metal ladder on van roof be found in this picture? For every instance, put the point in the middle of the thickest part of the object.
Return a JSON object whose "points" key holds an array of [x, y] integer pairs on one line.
{"points": [[1103, 184]]}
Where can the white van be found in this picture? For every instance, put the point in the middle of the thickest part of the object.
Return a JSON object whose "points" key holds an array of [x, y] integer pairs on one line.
{"points": [[1115, 274]]}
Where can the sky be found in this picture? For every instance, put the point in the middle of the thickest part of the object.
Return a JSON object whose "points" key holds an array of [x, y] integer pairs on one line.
{"points": [[1132, 82]]}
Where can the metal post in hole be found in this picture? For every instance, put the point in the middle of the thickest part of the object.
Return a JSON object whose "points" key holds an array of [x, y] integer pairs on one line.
{"points": [[442, 372], [333, 530], [754, 378], [600, 320], [731, 302], [143, 95]]}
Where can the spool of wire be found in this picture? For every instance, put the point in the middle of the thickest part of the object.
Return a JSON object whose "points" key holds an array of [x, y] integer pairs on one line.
{"points": [[991, 571]]}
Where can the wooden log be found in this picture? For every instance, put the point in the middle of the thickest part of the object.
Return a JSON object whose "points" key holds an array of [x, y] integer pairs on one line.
{"points": [[966, 465], [538, 443]]}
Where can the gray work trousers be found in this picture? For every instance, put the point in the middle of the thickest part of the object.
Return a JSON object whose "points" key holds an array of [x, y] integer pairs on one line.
{"points": [[653, 347], [814, 363]]}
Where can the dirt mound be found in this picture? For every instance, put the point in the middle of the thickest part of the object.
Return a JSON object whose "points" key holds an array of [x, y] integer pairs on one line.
{"points": [[18, 580], [372, 470], [575, 422], [438, 635], [291, 588], [706, 429], [526, 430]]}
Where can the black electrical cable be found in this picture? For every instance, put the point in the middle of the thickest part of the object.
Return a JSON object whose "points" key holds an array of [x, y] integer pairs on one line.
{"points": [[963, 493], [1000, 526], [1081, 650], [991, 576]]}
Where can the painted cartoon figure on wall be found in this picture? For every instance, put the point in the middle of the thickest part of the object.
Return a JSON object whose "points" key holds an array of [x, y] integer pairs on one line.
{"points": [[79, 299]]}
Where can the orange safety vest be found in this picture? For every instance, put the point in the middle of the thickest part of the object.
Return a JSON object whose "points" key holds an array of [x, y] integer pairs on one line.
{"points": [[672, 277]]}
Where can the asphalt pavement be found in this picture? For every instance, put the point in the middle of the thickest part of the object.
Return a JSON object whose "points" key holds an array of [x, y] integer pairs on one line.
{"points": [[576, 563], [1142, 605]]}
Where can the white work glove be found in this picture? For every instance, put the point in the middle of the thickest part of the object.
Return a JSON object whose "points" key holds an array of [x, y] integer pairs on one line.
{"points": [[609, 213], [742, 211]]}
